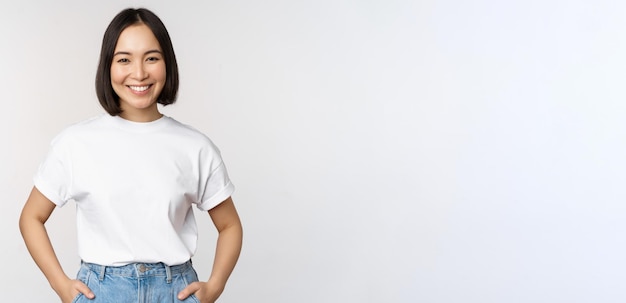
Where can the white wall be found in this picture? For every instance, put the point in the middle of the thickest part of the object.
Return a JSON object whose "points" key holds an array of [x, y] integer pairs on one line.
{"points": [[383, 151]]}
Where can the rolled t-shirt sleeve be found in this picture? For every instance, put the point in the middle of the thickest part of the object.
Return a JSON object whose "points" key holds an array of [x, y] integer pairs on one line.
{"points": [[214, 184], [52, 178], [217, 188]]}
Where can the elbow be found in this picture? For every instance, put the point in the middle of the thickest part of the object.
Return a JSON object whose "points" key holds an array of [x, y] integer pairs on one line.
{"points": [[29, 219], [23, 223]]}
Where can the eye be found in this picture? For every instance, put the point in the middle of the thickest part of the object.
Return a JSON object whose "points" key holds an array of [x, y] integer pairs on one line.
{"points": [[123, 60], [153, 59]]}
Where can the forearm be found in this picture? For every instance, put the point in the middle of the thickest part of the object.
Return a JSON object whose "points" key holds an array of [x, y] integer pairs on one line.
{"points": [[226, 220], [227, 252], [40, 248]]}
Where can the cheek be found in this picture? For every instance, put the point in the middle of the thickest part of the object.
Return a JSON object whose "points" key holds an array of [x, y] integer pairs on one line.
{"points": [[159, 72], [117, 76]]}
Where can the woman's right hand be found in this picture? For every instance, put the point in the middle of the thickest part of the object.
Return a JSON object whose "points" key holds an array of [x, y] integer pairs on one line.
{"points": [[70, 289]]}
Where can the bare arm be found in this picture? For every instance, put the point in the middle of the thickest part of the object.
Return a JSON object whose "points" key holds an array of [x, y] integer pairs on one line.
{"points": [[226, 220], [36, 212]]}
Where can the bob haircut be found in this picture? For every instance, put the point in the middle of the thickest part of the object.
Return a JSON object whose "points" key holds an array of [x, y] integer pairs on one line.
{"points": [[104, 90]]}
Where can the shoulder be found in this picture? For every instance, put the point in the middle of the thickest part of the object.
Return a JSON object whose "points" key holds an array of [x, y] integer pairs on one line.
{"points": [[190, 133], [77, 129]]}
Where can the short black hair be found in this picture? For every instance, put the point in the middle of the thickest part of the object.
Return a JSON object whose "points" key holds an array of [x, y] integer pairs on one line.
{"points": [[104, 90]]}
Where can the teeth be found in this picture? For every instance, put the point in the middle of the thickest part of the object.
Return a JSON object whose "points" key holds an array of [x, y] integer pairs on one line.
{"points": [[139, 88]]}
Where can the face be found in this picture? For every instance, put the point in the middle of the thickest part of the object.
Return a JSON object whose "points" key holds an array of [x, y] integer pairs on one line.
{"points": [[138, 73]]}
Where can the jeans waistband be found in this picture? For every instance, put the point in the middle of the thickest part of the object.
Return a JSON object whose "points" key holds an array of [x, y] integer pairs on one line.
{"points": [[138, 269]]}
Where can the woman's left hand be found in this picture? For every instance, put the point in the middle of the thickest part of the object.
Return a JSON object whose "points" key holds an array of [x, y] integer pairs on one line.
{"points": [[206, 292]]}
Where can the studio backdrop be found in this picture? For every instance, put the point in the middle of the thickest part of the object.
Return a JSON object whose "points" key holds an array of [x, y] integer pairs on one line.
{"points": [[437, 151]]}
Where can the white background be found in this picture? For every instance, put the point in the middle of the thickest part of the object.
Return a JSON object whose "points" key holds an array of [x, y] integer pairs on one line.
{"points": [[383, 151]]}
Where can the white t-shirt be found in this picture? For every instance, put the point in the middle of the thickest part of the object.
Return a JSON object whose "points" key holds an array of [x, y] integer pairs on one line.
{"points": [[134, 184]]}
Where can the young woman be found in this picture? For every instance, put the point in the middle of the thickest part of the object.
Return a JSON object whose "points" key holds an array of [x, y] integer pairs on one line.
{"points": [[134, 175]]}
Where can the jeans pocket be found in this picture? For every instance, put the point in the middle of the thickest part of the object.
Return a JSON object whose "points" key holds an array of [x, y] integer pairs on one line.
{"points": [[193, 298], [187, 277], [83, 275], [77, 298]]}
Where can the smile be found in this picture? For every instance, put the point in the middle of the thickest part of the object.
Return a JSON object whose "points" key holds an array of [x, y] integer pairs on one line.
{"points": [[139, 88]]}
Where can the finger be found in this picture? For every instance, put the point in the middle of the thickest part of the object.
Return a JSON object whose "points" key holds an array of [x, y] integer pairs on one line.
{"points": [[84, 289], [187, 291]]}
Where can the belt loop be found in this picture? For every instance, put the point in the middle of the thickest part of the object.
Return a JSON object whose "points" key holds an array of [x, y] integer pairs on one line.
{"points": [[102, 270], [168, 273]]}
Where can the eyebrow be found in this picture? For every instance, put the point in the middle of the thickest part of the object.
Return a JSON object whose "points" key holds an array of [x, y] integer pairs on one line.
{"points": [[128, 53]]}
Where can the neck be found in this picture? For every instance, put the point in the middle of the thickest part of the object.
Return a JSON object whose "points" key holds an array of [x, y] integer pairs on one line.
{"points": [[145, 115]]}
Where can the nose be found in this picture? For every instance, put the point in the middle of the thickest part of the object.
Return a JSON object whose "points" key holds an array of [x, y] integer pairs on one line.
{"points": [[139, 71]]}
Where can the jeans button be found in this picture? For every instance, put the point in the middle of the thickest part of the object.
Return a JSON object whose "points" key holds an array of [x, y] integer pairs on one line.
{"points": [[142, 268]]}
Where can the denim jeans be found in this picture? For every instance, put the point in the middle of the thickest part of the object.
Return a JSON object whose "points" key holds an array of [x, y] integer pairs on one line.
{"points": [[136, 283]]}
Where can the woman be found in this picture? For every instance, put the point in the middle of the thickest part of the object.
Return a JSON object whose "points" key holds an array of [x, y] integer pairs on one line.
{"points": [[134, 175]]}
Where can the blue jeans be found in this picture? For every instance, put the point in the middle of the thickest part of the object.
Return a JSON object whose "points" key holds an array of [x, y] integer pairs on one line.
{"points": [[136, 283]]}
